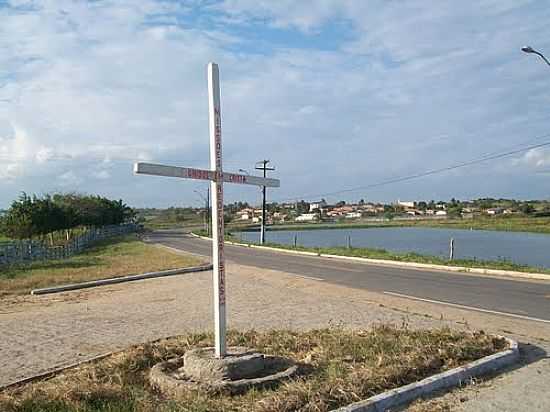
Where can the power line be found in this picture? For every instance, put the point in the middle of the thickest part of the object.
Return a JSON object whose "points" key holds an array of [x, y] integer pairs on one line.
{"points": [[485, 158]]}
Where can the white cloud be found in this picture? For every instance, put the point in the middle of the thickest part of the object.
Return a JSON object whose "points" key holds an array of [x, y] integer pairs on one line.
{"points": [[102, 174], [69, 179], [535, 158]]}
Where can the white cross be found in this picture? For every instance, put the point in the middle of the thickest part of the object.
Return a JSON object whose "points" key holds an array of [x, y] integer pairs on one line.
{"points": [[217, 177]]}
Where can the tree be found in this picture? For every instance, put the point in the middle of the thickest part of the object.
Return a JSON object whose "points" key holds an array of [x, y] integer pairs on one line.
{"points": [[85, 210], [29, 217], [302, 207], [526, 208]]}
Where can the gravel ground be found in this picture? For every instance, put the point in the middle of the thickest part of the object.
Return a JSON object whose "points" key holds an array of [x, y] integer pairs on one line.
{"points": [[42, 333]]}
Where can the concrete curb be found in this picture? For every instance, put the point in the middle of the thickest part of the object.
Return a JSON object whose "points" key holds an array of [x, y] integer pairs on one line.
{"points": [[445, 380], [463, 269], [122, 279], [54, 372]]}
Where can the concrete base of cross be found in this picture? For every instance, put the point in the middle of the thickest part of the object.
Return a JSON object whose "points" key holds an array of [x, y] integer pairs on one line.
{"points": [[238, 371]]}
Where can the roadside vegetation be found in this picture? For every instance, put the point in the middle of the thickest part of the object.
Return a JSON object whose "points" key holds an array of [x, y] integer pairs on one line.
{"points": [[173, 217], [119, 256], [415, 257], [383, 254], [58, 217], [337, 367]]}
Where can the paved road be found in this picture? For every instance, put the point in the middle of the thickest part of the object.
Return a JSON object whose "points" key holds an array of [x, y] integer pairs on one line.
{"points": [[517, 298]]}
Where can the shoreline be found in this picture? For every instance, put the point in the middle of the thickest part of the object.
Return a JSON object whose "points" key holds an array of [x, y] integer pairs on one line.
{"points": [[540, 226], [381, 256]]}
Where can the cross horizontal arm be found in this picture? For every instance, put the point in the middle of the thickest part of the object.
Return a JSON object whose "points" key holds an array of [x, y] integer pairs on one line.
{"points": [[201, 174]]}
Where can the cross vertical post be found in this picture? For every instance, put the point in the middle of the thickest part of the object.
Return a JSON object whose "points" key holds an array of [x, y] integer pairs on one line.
{"points": [[216, 176], [218, 273]]}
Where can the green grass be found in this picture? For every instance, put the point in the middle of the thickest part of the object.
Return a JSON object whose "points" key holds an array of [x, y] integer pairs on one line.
{"points": [[337, 367], [499, 223], [383, 254], [416, 257], [118, 256]]}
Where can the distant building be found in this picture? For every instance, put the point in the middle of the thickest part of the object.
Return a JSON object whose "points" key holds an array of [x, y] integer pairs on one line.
{"points": [[441, 213], [353, 215], [307, 217], [317, 205], [245, 214], [406, 204]]}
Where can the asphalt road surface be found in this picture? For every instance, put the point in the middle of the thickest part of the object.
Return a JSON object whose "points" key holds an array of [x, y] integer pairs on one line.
{"points": [[508, 297]]}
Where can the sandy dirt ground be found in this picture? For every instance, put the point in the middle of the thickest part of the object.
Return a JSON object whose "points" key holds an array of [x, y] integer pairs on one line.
{"points": [[43, 333]]}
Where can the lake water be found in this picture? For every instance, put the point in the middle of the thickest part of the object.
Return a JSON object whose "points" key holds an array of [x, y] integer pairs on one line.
{"points": [[519, 247]]}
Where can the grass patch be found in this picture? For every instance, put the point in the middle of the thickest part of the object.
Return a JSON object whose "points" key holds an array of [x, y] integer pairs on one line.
{"points": [[372, 253], [417, 258], [118, 256], [342, 366]]}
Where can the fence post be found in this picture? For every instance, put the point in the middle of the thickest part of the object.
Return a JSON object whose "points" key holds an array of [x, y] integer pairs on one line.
{"points": [[452, 249], [349, 241], [295, 241]]}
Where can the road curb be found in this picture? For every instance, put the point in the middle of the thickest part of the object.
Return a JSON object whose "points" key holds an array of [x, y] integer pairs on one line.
{"points": [[445, 380], [55, 371], [121, 279], [386, 262]]}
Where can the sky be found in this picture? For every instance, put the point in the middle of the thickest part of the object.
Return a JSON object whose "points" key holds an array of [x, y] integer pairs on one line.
{"points": [[338, 94]]}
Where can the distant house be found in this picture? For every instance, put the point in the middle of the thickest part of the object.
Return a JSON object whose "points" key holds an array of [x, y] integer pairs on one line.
{"points": [[307, 217], [494, 211], [353, 215], [441, 213], [245, 214]]}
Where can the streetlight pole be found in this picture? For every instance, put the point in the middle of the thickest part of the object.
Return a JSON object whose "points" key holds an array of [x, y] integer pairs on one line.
{"points": [[206, 209], [529, 49], [265, 169]]}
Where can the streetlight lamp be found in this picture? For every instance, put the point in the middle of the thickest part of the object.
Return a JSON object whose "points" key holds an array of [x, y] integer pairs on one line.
{"points": [[529, 49], [244, 171]]}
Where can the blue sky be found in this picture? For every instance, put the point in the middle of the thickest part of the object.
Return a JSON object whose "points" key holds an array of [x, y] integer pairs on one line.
{"points": [[337, 93]]}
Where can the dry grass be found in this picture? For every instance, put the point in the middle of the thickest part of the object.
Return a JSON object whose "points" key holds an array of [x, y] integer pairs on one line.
{"points": [[115, 257], [342, 367]]}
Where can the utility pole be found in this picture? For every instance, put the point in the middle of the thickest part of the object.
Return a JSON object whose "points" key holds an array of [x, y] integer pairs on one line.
{"points": [[265, 169]]}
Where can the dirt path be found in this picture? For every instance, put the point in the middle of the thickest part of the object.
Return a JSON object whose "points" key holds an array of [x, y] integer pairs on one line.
{"points": [[40, 334]]}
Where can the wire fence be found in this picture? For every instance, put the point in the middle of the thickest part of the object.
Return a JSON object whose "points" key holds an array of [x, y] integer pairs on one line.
{"points": [[27, 251]]}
